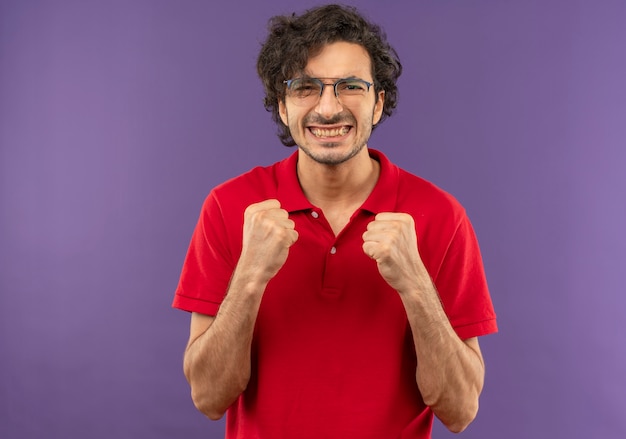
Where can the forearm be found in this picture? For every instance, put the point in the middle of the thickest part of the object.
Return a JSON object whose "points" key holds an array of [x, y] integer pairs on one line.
{"points": [[217, 358], [217, 362], [449, 373]]}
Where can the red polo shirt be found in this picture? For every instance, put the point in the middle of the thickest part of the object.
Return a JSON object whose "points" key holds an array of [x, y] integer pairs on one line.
{"points": [[332, 354]]}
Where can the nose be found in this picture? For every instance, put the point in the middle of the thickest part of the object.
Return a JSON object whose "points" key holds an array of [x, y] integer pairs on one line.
{"points": [[329, 104]]}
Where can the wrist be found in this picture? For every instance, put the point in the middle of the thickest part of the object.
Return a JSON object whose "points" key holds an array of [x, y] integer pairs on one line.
{"points": [[249, 282]]}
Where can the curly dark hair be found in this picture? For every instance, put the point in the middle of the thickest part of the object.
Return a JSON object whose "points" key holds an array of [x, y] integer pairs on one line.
{"points": [[293, 39]]}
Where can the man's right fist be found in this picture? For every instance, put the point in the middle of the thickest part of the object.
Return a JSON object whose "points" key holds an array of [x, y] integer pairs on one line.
{"points": [[267, 235]]}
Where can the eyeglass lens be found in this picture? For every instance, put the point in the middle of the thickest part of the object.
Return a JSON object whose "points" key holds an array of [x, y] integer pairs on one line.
{"points": [[308, 89]]}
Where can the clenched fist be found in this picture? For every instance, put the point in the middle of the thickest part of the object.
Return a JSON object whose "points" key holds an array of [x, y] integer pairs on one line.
{"points": [[267, 235], [392, 242]]}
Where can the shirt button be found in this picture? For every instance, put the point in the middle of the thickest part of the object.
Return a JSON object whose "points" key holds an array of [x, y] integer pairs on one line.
{"points": [[315, 215], [333, 250]]}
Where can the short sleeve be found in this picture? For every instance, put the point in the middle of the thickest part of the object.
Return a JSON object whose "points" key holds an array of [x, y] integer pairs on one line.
{"points": [[462, 285], [209, 263]]}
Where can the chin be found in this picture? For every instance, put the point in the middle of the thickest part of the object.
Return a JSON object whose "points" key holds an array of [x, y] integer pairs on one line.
{"points": [[331, 153]]}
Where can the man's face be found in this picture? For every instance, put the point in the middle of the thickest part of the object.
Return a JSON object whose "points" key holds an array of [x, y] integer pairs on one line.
{"points": [[328, 129]]}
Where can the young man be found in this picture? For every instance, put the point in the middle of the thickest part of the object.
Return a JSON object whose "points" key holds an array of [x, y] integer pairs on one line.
{"points": [[333, 295]]}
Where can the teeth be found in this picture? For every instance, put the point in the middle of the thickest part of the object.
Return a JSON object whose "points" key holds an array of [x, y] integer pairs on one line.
{"points": [[335, 132]]}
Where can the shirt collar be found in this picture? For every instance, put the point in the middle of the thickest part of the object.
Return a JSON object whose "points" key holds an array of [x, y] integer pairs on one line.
{"points": [[289, 192], [385, 194], [382, 199]]}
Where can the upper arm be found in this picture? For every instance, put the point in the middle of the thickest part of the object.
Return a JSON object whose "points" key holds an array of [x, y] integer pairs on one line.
{"points": [[199, 324]]}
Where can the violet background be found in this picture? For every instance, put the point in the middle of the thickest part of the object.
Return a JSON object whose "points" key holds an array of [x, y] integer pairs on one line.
{"points": [[117, 118]]}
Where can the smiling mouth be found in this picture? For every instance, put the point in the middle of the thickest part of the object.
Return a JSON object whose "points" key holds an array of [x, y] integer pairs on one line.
{"points": [[329, 132]]}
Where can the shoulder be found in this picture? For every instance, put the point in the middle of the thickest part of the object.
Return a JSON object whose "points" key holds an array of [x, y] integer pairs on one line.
{"points": [[416, 195], [255, 185], [419, 193], [259, 179], [437, 213]]}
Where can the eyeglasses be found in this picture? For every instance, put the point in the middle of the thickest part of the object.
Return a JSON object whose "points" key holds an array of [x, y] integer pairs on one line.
{"points": [[307, 91]]}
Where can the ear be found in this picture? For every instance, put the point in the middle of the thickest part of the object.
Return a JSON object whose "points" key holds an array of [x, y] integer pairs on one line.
{"points": [[378, 107], [282, 112]]}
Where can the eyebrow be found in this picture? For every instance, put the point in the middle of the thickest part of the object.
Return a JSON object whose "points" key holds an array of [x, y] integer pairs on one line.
{"points": [[305, 74], [334, 78]]}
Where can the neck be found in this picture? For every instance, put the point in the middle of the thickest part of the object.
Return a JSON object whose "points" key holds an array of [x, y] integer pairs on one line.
{"points": [[343, 186]]}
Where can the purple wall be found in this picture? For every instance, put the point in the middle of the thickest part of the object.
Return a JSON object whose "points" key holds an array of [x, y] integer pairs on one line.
{"points": [[117, 117]]}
